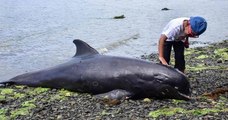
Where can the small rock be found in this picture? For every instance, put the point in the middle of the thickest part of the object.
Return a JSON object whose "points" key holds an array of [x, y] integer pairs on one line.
{"points": [[147, 100], [59, 117], [119, 17], [164, 9], [219, 61]]}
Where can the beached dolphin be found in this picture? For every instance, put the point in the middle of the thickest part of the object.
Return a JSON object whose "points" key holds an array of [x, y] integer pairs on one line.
{"points": [[109, 76]]}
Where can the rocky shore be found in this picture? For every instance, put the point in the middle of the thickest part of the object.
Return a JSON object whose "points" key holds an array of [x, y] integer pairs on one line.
{"points": [[207, 70]]}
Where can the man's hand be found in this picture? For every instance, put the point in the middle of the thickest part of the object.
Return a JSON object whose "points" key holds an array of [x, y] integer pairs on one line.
{"points": [[163, 61], [186, 43]]}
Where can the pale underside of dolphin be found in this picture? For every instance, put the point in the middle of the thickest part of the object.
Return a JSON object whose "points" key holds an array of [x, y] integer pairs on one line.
{"points": [[109, 76]]}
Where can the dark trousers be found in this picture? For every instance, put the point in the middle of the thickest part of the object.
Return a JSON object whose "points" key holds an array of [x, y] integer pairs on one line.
{"points": [[178, 48]]}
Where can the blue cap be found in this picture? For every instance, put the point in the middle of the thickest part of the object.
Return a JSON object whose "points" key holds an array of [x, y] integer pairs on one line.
{"points": [[198, 25]]}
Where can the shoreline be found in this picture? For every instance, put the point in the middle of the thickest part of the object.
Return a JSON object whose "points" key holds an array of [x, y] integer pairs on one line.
{"points": [[206, 67]]}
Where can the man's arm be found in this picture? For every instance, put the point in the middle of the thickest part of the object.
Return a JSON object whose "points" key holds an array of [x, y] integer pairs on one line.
{"points": [[162, 40]]}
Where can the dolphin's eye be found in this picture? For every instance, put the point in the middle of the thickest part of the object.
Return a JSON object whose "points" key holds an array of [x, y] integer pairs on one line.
{"points": [[160, 78]]}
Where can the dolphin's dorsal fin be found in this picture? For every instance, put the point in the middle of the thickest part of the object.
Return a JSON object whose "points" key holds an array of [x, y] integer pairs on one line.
{"points": [[83, 49]]}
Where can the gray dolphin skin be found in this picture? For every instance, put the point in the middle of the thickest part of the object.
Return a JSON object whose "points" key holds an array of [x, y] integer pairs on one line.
{"points": [[109, 76]]}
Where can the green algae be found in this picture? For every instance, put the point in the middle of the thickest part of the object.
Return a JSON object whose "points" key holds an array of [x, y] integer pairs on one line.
{"points": [[189, 52], [24, 109], [221, 53], [219, 106], [20, 86], [221, 98], [2, 117], [8, 94], [29, 104], [2, 97], [205, 111], [166, 112], [176, 102], [19, 112], [200, 67], [202, 54], [18, 95], [63, 94], [38, 90], [222, 103], [173, 111], [3, 114], [6, 91], [193, 51], [2, 111], [202, 57]]}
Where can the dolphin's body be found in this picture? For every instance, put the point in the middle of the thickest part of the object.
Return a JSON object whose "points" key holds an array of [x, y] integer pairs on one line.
{"points": [[112, 76]]}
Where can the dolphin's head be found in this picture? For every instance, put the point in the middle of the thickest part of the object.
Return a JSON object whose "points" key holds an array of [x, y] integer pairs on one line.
{"points": [[170, 82], [180, 83]]}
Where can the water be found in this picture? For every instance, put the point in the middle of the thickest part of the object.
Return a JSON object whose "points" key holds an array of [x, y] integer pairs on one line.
{"points": [[36, 34]]}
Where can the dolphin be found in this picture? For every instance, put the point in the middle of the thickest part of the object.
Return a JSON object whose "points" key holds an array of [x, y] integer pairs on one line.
{"points": [[109, 76]]}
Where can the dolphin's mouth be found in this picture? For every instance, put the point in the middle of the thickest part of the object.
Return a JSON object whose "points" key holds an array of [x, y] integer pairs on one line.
{"points": [[185, 97]]}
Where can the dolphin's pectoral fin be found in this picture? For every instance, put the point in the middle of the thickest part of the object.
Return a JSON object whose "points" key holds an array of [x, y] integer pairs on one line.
{"points": [[83, 49], [114, 96]]}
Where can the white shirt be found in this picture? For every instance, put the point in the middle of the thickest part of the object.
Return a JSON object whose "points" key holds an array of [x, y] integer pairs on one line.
{"points": [[174, 29]]}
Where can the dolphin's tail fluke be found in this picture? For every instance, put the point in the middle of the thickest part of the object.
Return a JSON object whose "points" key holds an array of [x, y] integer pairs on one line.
{"points": [[6, 83]]}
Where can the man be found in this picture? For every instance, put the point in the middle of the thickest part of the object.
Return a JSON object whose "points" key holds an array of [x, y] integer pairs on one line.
{"points": [[176, 34]]}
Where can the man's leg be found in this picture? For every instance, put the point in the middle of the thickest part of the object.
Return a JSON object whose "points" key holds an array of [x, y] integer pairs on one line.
{"points": [[179, 55], [167, 50]]}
